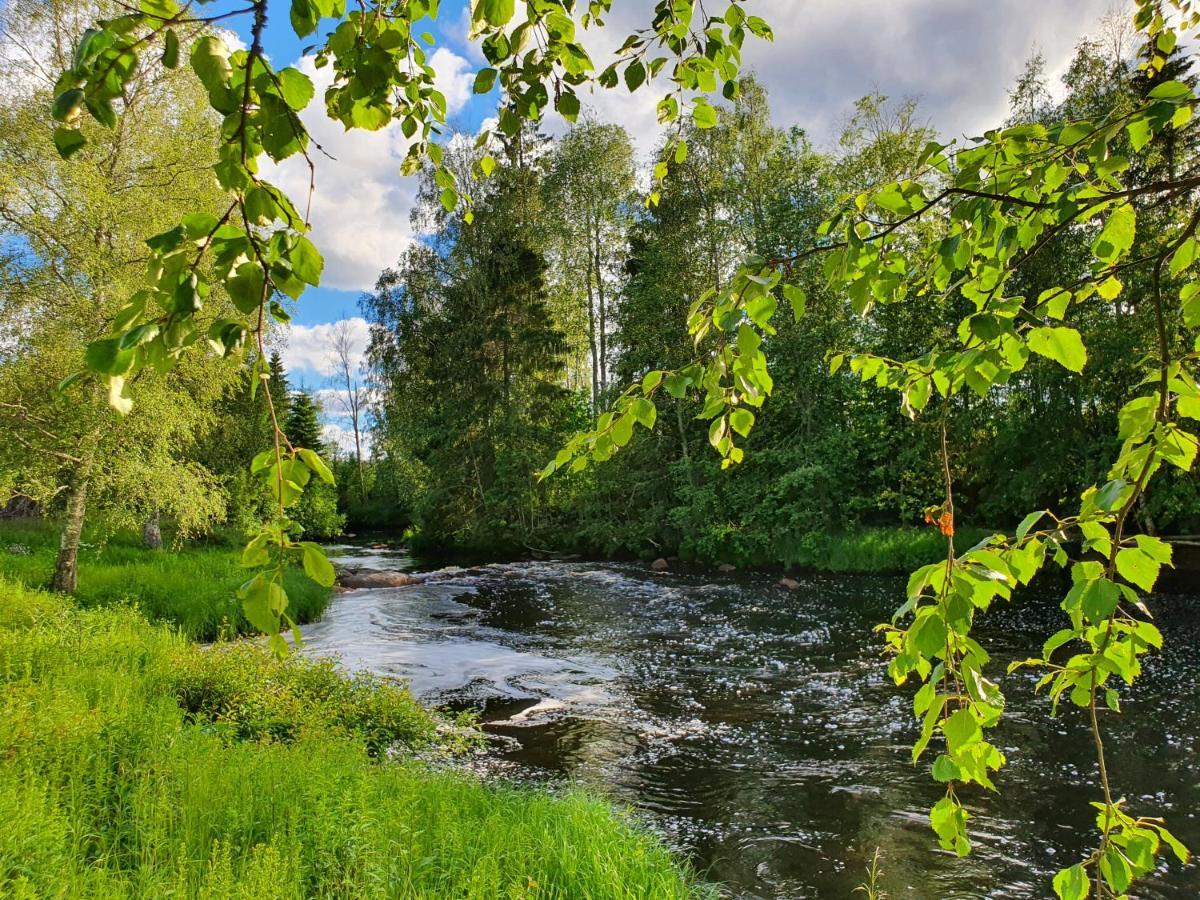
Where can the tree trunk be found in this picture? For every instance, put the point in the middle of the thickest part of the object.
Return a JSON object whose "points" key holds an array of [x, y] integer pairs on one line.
{"points": [[362, 482], [66, 572], [595, 353], [152, 531], [602, 308]]}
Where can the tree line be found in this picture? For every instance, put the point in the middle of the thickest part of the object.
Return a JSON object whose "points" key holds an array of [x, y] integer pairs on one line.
{"points": [[492, 343]]}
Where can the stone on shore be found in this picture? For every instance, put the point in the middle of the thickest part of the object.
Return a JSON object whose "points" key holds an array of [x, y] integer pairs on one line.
{"points": [[360, 579]]}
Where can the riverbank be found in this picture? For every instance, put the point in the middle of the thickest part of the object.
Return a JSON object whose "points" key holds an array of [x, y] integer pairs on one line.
{"points": [[868, 551], [194, 587], [134, 763]]}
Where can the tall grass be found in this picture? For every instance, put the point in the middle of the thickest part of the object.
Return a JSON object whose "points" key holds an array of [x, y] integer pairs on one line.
{"points": [[194, 588], [884, 550], [134, 764]]}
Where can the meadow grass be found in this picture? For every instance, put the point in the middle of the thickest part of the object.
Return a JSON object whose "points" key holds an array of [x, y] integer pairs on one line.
{"points": [[193, 587], [134, 763], [882, 550]]}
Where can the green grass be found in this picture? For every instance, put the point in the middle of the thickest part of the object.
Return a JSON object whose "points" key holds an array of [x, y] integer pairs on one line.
{"points": [[883, 550], [136, 764], [194, 588]]}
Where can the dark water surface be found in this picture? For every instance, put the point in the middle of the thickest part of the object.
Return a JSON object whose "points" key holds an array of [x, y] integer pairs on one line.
{"points": [[756, 727]]}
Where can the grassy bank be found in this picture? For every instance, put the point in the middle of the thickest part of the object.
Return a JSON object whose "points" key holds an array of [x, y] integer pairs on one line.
{"points": [[135, 764], [194, 588], [872, 550]]}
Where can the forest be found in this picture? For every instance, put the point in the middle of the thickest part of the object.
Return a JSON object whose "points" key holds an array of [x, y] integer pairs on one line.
{"points": [[849, 464]]}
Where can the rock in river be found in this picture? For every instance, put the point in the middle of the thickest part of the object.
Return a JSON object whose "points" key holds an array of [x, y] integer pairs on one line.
{"points": [[659, 565], [367, 579]]}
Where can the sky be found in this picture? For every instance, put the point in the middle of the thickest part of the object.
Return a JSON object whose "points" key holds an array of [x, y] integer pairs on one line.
{"points": [[957, 58]]}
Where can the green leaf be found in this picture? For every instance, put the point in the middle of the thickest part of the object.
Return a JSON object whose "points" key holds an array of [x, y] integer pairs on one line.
{"points": [[704, 115], [210, 62], [1116, 237], [66, 105], [304, 17], [1137, 568], [317, 565], [928, 634], [945, 769], [961, 730], [741, 420], [170, 54], [68, 141], [1072, 883], [568, 106], [1098, 599], [495, 12], [485, 80], [256, 604], [306, 261], [107, 358], [1063, 345], [246, 287], [635, 75], [296, 87], [797, 298], [315, 464]]}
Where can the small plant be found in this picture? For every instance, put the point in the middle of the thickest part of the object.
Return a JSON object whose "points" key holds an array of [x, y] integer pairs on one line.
{"points": [[871, 887]]}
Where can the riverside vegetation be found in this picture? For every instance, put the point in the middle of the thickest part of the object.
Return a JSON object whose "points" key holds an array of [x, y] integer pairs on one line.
{"points": [[999, 330], [137, 764]]}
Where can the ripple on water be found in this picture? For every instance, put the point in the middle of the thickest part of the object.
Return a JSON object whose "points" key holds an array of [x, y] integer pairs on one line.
{"points": [[757, 728]]}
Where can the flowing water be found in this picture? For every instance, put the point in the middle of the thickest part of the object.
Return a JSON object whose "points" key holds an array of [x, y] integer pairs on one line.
{"points": [[756, 729]]}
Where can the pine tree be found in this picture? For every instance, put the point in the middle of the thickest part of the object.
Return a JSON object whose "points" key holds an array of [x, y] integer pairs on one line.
{"points": [[303, 425]]}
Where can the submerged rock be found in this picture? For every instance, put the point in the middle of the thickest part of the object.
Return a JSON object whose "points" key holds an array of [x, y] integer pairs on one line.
{"points": [[367, 579], [659, 565]]}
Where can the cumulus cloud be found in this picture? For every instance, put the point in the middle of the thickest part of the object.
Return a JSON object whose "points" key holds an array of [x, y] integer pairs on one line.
{"points": [[361, 205], [957, 59], [309, 348], [342, 437]]}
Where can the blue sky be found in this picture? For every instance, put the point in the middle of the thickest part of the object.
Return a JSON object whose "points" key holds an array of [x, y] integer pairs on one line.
{"points": [[329, 304]]}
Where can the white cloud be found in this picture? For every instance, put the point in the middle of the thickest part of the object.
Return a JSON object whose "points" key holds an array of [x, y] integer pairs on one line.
{"points": [[957, 58], [342, 437], [360, 209], [309, 348]]}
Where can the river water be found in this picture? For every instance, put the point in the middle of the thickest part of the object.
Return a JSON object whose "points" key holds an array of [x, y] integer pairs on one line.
{"points": [[755, 728]]}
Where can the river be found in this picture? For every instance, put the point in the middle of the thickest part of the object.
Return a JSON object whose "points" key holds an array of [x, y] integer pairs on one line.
{"points": [[755, 728]]}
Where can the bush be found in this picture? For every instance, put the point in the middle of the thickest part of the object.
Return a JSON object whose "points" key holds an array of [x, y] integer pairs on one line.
{"points": [[251, 695]]}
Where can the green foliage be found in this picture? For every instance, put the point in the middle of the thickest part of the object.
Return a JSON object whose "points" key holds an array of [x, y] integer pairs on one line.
{"points": [[470, 334], [221, 773], [191, 588]]}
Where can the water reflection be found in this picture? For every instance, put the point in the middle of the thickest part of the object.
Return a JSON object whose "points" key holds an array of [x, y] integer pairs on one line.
{"points": [[757, 726]]}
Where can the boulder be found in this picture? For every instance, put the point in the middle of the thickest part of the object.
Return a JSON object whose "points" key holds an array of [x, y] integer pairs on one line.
{"points": [[367, 579], [659, 565], [726, 567], [790, 584]]}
